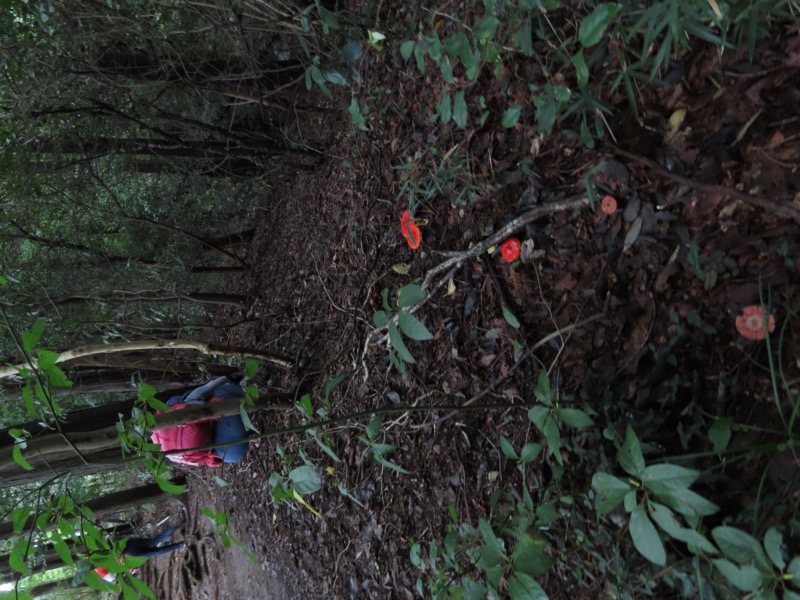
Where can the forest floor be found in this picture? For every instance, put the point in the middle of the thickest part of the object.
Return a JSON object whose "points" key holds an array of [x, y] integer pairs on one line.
{"points": [[664, 278]]}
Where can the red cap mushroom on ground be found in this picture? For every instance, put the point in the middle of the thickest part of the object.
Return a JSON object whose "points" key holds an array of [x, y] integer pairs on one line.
{"points": [[510, 249], [410, 230], [750, 323], [608, 205]]}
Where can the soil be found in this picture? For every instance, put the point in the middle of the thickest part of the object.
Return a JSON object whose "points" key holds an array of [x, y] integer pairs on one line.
{"points": [[663, 278]]}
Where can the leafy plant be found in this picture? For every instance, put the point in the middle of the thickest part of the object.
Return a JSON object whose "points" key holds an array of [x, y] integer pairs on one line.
{"points": [[399, 321], [222, 521], [656, 492], [551, 416], [470, 556], [378, 449]]}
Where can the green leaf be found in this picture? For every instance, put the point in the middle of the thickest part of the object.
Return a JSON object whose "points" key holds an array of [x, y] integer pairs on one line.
{"points": [[355, 114], [335, 77], [530, 557], [16, 559], [581, 71], [629, 502], [390, 465], [147, 394], [667, 478], [401, 268], [407, 49], [16, 454], [326, 448], [537, 415], [445, 107], [772, 544], [594, 24], [61, 548], [746, 578], [319, 79], [523, 38], [248, 424], [794, 570], [306, 479], [251, 366], [412, 327], [460, 113], [380, 318], [720, 434], [546, 111], [19, 517], [410, 295], [510, 318], [32, 337], [492, 550], [523, 587], [398, 362], [55, 376], [374, 427], [507, 448], [630, 454], [511, 116], [688, 503], [575, 418], [170, 487], [434, 47], [447, 71], [666, 520], [738, 545], [304, 406], [529, 452], [645, 537], [485, 28], [419, 58], [140, 586], [456, 44], [609, 492], [396, 340], [343, 491], [542, 390]]}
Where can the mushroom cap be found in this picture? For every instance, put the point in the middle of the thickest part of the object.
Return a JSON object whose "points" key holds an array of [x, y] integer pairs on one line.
{"points": [[608, 205], [510, 249], [750, 323], [410, 230]]}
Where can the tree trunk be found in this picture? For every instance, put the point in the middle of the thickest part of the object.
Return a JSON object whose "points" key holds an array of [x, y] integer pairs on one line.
{"points": [[98, 450], [203, 347], [108, 504], [198, 298], [118, 380], [87, 419]]}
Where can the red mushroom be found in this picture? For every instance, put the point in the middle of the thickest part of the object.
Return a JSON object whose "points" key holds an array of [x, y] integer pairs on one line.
{"points": [[608, 205], [510, 249], [751, 323], [410, 230]]}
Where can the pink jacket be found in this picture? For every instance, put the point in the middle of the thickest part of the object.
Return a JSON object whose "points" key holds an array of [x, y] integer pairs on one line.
{"points": [[191, 435]]}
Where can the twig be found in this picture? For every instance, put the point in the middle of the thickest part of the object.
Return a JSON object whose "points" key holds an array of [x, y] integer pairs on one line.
{"points": [[518, 223], [457, 259], [782, 209]]}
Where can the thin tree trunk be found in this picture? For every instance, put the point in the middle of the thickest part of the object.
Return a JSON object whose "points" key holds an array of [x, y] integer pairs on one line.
{"points": [[108, 504], [141, 346], [98, 450]]}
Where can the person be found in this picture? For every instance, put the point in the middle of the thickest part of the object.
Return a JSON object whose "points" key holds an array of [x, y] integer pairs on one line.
{"points": [[143, 547], [204, 433]]}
